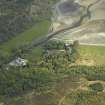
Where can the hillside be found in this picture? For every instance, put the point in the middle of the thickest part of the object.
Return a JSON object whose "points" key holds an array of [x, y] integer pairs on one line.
{"points": [[52, 53], [18, 15]]}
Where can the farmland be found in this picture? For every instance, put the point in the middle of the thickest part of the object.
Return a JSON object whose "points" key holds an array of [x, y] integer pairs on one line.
{"points": [[93, 53]]}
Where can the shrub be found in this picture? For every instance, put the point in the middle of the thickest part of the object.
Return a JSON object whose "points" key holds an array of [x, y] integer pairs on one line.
{"points": [[97, 87]]}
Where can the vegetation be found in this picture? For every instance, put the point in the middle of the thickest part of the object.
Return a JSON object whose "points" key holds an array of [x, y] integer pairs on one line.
{"points": [[52, 77], [16, 45], [27, 37], [54, 45], [93, 53], [16, 16], [15, 82], [42, 81], [96, 87], [75, 52], [84, 98], [52, 64], [49, 66]]}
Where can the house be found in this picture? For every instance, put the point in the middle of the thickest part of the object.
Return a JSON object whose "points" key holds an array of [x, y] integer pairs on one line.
{"points": [[19, 62]]}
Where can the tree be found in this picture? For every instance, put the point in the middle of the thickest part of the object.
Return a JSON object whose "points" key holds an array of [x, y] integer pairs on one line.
{"points": [[97, 87], [75, 51], [76, 44]]}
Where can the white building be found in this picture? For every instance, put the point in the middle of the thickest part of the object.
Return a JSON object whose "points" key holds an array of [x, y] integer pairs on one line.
{"points": [[19, 62]]}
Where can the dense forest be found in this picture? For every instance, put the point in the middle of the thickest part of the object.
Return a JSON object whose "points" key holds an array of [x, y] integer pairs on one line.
{"points": [[18, 15]]}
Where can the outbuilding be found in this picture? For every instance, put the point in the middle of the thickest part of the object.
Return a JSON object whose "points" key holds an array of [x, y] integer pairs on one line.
{"points": [[19, 62]]}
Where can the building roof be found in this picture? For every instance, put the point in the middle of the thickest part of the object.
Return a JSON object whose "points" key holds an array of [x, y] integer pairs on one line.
{"points": [[19, 62]]}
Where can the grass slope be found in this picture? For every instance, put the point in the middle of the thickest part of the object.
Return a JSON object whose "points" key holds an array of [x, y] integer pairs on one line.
{"points": [[26, 37], [95, 53]]}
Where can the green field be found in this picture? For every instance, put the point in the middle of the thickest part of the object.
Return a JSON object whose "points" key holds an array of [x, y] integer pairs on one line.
{"points": [[26, 37], [34, 55], [95, 53]]}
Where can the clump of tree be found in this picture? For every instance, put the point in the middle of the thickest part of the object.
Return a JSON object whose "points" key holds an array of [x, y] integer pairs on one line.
{"points": [[96, 87], [15, 81], [74, 55], [53, 44], [14, 17], [57, 54], [83, 98]]}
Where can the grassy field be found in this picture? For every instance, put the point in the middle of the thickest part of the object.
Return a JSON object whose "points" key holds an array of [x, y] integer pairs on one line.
{"points": [[34, 55], [26, 37], [93, 53]]}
